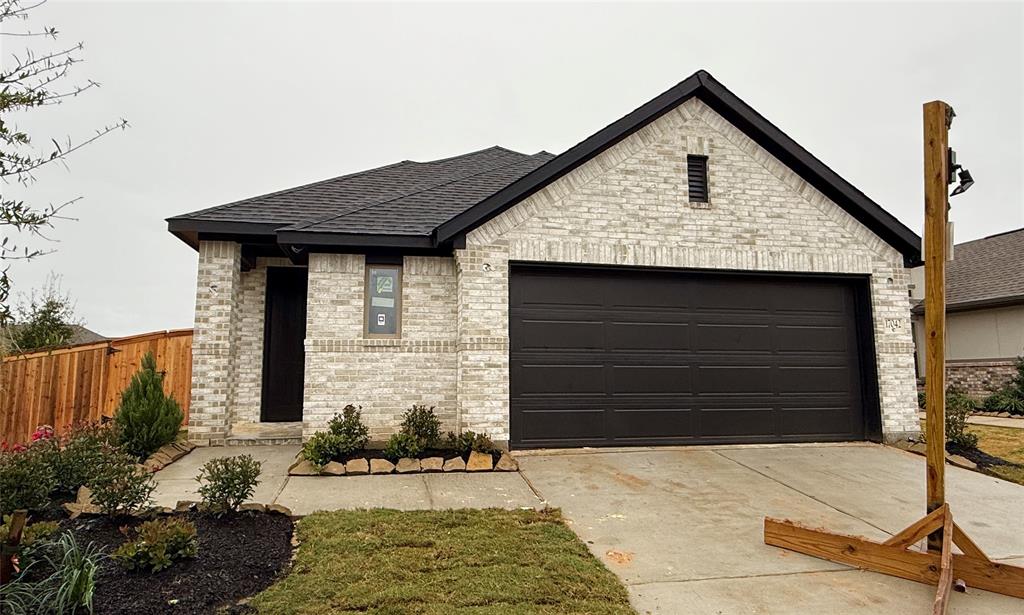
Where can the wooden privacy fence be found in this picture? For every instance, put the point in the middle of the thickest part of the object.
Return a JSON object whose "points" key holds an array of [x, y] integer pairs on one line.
{"points": [[84, 383]]}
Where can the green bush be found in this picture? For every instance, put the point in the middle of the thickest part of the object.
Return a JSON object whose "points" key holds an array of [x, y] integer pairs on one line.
{"points": [[74, 456], [922, 400], [468, 441], [958, 408], [69, 588], [226, 482], [346, 434], [119, 485], [32, 533], [26, 479], [1011, 397], [155, 545], [403, 445], [147, 418], [421, 423]]}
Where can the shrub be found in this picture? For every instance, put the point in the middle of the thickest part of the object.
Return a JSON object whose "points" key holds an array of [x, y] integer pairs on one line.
{"points": [[922, 400], [26, 480], [1004, 401], [32, 533], [147, 418], [155, 545], [468, 441], [403, 445], [321, 448], [120, 485], [349, 428], [69, 588], [958, 408], [421, 423], [226, 482], [74, 457]]}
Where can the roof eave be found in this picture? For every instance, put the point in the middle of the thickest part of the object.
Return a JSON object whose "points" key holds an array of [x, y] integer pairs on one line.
{"points": [[977, 304]]}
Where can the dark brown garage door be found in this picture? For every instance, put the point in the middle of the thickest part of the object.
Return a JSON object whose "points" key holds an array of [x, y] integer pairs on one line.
{"points": [[612, 357]]}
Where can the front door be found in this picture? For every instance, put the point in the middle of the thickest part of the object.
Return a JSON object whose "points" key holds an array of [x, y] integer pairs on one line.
{"points": [[284, 331]]}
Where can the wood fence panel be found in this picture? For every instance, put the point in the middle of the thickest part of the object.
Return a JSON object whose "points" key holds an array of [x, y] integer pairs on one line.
{"points": [[84, 383]]}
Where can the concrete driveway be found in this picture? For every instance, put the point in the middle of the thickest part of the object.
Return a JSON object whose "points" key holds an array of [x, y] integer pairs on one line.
{"points": [[683, 527]]}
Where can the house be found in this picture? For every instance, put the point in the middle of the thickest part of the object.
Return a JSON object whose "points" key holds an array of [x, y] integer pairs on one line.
{"points": [[687, 274], [984, 312]]}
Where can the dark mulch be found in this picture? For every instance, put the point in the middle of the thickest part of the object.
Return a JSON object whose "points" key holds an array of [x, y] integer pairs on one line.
{"points": [[239, 556]]}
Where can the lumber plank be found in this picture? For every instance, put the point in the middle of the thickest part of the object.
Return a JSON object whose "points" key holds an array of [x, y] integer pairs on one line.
{"points": [[920, 566], [968, 546], [918, 530], [945, 588]]}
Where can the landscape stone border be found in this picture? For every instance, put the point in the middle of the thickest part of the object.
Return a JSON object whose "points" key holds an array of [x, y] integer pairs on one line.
{"points": [[919, 448], [478, 462], [167, 454]]}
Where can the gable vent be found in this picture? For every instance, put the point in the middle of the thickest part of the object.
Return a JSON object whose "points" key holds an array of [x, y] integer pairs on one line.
{"points": [[697, 175]]}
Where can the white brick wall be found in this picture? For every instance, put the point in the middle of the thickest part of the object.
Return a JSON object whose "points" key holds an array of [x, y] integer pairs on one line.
{"points": [[629, 206]]}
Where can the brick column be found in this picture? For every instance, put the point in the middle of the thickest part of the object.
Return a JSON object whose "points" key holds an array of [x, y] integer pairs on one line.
{"points": [[217, 288]]}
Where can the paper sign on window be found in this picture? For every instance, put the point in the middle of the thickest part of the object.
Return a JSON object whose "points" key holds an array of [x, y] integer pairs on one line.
{"points": [[383, 306]]}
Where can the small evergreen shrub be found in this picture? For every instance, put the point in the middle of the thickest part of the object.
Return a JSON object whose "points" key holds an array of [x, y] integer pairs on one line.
{"points": [[1011, 397], [421, 423], [26, 479], [349, 428], [156, 545], [321, 448], [147, 418], [74, 456], [958, 408], [403, 445], [226, 482], [120, 486], [469, 441], [921, 400]]}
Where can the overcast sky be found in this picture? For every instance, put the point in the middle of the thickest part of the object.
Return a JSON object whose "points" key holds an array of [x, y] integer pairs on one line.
{"points": [[233, 100]]}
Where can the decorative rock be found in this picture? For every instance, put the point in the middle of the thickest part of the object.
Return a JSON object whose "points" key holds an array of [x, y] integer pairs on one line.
{"points": [[84, 495], [407, 465], [432, 464], [184, 506], [919, 447], [334, 468], [171, 452], [1004, 415], [381, 466], [253, 506], [456, 464], [961, 462], [75, 509], [506, 464], [479, 462], [279, 509], [303, 468], [355, 467], [160, 458], [152, 466]]}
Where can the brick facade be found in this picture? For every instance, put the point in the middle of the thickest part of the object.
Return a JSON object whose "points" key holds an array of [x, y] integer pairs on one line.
{"points": [[980, 378], [627, 206]]}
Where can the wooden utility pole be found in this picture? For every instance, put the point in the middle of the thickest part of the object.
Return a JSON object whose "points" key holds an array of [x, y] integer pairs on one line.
{"points": [[898, 555], [937, 118]]}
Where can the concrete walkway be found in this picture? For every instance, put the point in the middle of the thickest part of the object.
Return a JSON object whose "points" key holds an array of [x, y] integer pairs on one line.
{"points": [[306, 494], [683, 527], [1013, 422]]}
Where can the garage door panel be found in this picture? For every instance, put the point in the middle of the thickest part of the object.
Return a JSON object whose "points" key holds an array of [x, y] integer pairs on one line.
{"points": [[734, 379], [812, 338], [541, 425], [732, 337], [652, 423], [737, 422], [563, 334], [650, 380], [632, 336], [568, 380], [646, 356]]}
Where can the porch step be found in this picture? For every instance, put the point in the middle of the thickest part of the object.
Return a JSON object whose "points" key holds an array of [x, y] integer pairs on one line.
{"points": [[250, 434]]}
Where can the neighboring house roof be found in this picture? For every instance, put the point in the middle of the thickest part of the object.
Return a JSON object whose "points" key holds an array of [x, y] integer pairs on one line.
{"points": [[986, 272], [432, 205], [79, 335]]}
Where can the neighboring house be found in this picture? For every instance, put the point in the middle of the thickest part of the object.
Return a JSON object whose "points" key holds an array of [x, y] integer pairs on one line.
{"points": [[984, 312], [687, 274]]}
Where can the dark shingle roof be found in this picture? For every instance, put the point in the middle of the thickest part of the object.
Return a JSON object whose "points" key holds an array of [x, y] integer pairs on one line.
{"points": [[986, 270], [405, 198]]}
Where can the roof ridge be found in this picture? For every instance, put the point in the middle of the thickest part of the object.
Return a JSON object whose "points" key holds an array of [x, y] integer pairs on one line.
{"points": [[473, 153], [307, 224], [294, 188]]}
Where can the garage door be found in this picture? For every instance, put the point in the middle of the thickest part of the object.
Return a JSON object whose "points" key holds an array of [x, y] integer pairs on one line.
{"points": [[613, 357]]}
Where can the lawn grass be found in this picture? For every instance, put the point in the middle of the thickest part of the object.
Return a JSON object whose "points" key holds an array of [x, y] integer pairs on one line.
{"points": [[1005, 442], [435, 562]]}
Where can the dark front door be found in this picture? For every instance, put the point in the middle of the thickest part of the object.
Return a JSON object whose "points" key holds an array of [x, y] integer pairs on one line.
{"points": [[284, 331], [616, 356]]}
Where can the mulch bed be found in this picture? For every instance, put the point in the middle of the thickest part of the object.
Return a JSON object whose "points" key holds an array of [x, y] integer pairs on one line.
{"points": [[239, 555]]}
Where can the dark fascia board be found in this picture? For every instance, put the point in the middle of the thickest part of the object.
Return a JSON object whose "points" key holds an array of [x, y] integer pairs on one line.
{"points": [[361, 240], [744, 117], [189, 229], [978, 304]]}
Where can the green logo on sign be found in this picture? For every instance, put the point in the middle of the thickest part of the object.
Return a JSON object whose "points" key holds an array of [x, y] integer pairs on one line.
{"points": [[385, 285]]}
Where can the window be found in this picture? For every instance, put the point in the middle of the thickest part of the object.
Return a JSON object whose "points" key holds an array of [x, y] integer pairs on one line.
{"points": [[383, 300], [697, 175]]}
